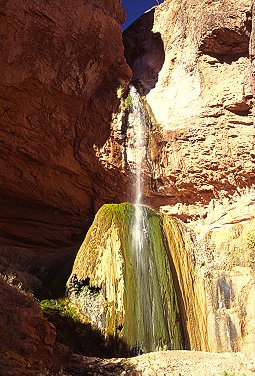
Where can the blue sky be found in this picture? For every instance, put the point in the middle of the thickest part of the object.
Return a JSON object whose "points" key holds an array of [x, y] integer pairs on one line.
{"points": [[135, 8]]}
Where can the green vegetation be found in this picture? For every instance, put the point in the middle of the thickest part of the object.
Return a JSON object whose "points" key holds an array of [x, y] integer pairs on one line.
{"points": [[120, 91], [148, 317], [74, 332], [125, 98], [60, 306], [126, 103]]}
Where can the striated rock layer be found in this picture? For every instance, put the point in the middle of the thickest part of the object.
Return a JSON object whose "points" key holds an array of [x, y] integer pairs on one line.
{"points": [[60, 65]]}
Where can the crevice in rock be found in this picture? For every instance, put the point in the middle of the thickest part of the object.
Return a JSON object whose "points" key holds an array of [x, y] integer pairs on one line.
{"points": [[144, 52]]}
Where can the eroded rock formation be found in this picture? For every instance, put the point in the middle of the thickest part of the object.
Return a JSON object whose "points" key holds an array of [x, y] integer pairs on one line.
{"points": [[205, 284], [28, 341]]}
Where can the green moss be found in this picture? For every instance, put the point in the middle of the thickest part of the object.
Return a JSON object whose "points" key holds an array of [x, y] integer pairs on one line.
{"points": [[125, 103], [60, 306], [125, 99]]}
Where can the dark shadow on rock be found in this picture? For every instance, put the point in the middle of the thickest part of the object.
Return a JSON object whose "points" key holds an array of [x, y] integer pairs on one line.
{"points": [[144, 52], [226, 45], [80, 365], [81, 338], [183, 319]]}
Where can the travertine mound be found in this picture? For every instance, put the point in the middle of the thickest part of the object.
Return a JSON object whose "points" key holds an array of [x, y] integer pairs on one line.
{"points": [[123, 284], [182, 290]]}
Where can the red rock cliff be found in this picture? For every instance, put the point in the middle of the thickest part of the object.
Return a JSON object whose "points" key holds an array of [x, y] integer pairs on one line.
{"points": [[61, 63]]}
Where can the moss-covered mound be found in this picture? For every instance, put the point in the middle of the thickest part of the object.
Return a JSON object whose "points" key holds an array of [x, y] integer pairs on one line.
{"points": [[123, 289]]}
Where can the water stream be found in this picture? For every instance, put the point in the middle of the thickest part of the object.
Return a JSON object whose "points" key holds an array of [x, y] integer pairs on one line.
{"points": [[138, 119], [153, 306]]}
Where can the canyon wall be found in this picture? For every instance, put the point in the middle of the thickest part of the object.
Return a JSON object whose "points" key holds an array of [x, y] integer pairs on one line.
{"points": [[60, 64], [194, 64]]}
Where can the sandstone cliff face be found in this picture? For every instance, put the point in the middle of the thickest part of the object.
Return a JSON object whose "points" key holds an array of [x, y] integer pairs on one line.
{"points": [[60, 66], [194, 64]]}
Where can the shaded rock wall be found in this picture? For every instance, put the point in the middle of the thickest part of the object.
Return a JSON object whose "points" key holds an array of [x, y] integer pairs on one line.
{"points": [[60, 66], [27, 343]]}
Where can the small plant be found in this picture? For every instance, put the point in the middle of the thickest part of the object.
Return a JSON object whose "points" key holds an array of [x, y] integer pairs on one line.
{"points": [[251, 240], [125, 99], [120, 91], [60, 306], [125, 103]]}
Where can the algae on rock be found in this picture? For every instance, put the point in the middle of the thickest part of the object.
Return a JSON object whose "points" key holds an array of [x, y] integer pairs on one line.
{"points": [[129, 297]]}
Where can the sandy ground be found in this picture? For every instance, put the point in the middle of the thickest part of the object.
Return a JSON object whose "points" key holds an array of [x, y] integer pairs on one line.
{"points": [[167, 363]]}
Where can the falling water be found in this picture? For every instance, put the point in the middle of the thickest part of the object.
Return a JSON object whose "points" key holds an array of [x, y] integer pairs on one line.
{"points": [[149, 303], [140, 140]]}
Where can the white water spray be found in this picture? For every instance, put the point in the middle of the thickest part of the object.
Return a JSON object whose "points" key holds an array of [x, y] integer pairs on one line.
{"points": [[138, 119]]}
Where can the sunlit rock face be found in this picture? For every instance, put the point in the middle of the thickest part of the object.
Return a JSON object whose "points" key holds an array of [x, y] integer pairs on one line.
{"points": [[60, 66], [124, 285], [194, 63], [215, 285]]}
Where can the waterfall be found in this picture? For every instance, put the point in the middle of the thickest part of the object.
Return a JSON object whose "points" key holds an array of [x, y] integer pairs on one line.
{"points": [[125, 257], [138, 120], [151, 329]]}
